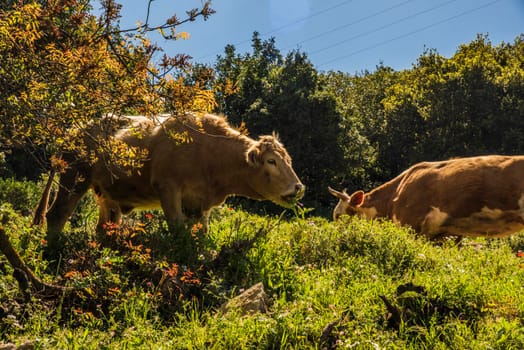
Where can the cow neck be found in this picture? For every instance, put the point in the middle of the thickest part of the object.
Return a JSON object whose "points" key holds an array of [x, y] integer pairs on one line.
{"points": [[381, 198], [235, 171]]}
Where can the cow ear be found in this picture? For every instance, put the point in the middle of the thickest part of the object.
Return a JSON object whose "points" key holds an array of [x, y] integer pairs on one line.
{"points": [[253, 157], [340, 195], [357, 199]]}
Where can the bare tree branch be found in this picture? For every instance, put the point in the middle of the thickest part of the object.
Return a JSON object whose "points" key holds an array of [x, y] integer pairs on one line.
{"points": [[23, 273], [172, 22]]}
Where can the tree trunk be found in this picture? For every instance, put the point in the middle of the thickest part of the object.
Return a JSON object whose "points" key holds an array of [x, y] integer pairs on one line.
{"points": [[41, 209]]}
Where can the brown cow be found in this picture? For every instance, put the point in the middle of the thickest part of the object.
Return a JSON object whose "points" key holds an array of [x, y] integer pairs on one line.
{"points": [[194, 163], [464, 197]]}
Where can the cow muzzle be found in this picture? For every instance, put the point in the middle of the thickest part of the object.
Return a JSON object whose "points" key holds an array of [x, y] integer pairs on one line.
{"points": [[295, 195]]}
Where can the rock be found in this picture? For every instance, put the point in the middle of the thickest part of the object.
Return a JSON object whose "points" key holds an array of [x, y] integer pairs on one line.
{"points": [[11, 346], [250, 301], [26, 346], [8, 346]]}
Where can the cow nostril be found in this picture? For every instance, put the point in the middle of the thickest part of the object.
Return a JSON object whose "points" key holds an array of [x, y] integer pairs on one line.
{"points": [[299, 187]]}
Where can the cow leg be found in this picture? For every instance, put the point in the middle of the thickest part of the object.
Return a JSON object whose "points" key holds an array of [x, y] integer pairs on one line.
{"points": [[205, 219], [179, 213], [171, 202], [108, 212], [73, 185]]}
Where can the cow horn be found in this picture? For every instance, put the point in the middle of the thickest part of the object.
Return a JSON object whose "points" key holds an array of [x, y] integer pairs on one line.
{"points": [[340, 195]]}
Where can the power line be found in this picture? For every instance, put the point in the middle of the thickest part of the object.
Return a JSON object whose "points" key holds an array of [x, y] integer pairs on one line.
{"points": [[279, 29], [307, 17], [409, 33], [382, 27], [360, 20]]}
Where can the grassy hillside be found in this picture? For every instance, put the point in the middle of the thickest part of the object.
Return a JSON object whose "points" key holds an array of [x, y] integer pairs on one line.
{"points": [[352, 284]]}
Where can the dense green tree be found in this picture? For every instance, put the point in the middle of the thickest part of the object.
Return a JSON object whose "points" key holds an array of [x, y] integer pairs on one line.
{"points": [[242, 79], [308, 122], [363, 127]]}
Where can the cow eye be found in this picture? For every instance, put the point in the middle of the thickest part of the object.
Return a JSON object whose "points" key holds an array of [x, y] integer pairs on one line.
{"points": [[272, 161]]}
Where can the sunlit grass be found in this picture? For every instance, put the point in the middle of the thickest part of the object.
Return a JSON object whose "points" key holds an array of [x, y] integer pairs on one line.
{"points": [[326, 283]]}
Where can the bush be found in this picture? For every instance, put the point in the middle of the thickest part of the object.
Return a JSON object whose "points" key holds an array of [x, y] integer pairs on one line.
{"points": [[23, 195]]}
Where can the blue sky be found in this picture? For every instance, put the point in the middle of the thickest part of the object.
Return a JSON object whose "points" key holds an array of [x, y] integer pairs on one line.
{"points": [[346, 35]]}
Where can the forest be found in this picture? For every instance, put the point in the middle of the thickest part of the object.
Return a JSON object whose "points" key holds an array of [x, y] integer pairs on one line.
{"points": [[63, 67]]}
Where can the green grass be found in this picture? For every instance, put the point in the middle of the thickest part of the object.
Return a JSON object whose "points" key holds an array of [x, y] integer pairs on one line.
{"points": [[138, 293]]}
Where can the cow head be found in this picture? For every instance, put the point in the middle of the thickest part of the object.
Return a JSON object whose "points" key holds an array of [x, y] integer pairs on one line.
{"points": [[273, 177], [347, 205]]}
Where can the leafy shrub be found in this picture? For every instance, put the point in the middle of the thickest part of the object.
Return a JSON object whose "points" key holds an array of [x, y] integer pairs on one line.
{"points": [[23, 195]]}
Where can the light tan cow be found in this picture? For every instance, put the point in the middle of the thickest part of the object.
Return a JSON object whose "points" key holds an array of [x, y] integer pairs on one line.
{"points": [[464, 197], [194, 163]]}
